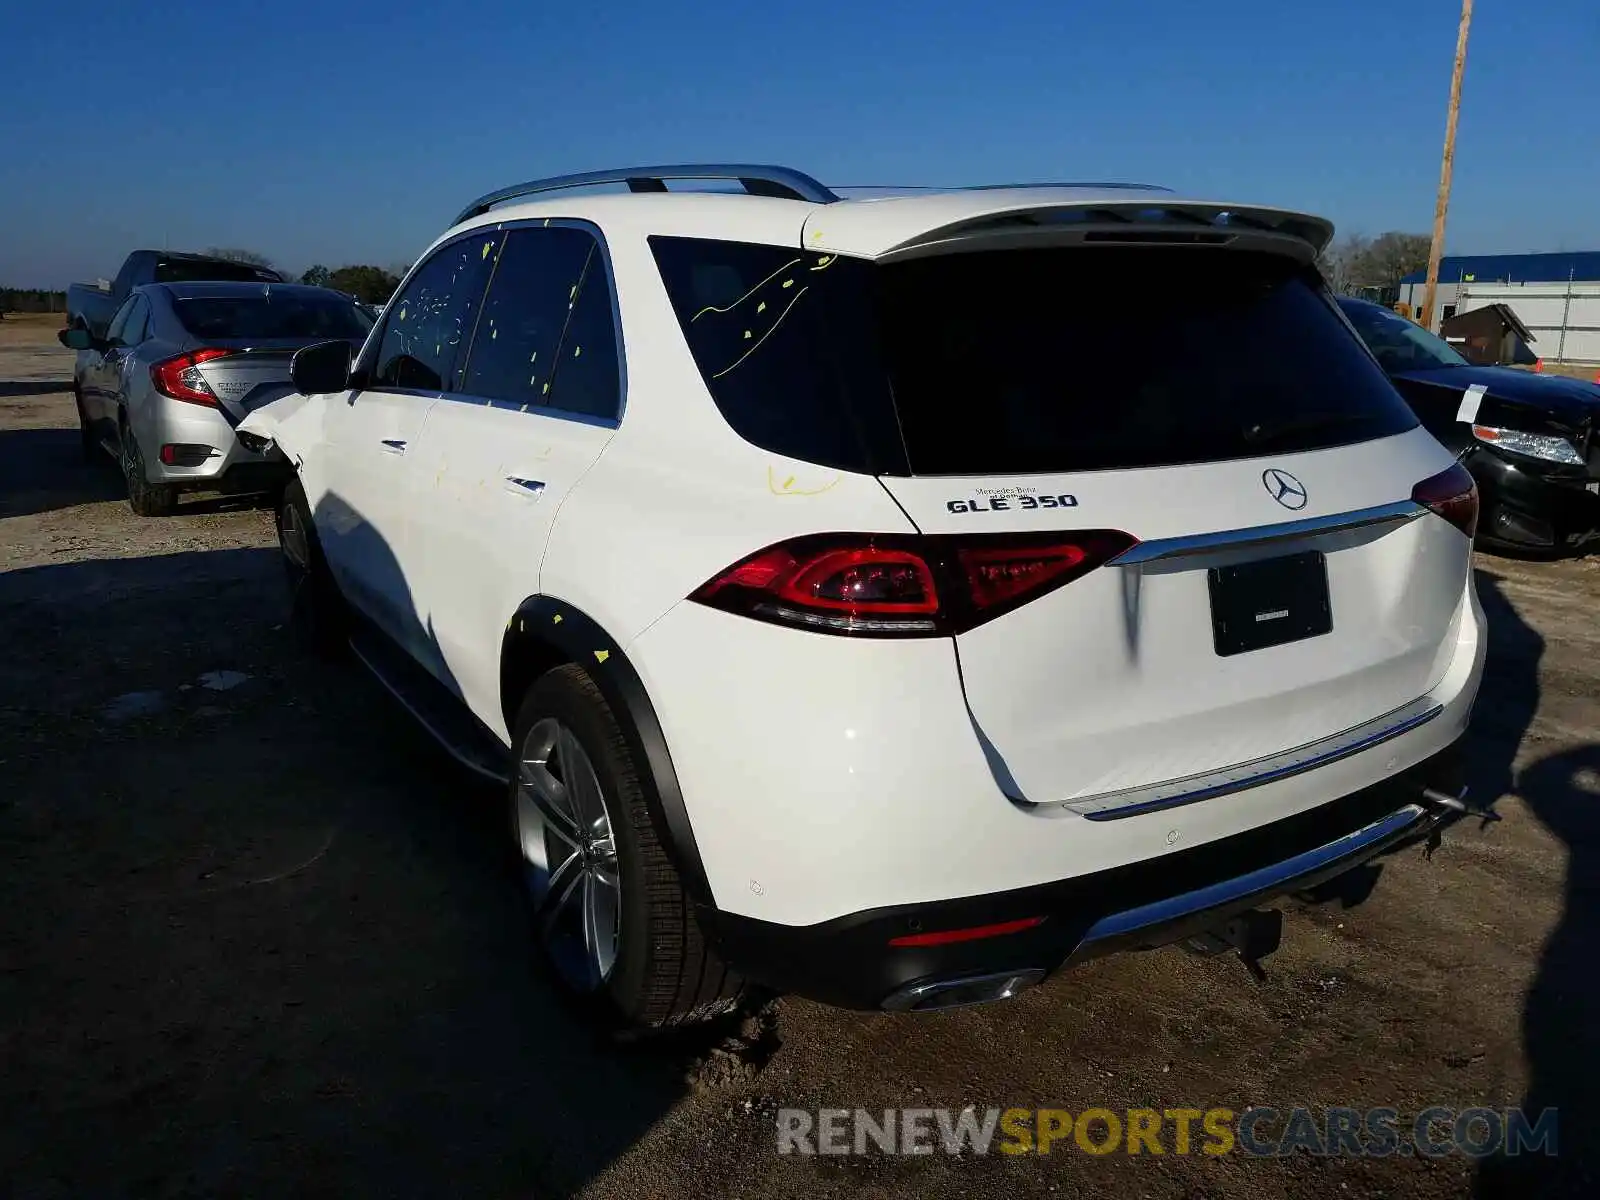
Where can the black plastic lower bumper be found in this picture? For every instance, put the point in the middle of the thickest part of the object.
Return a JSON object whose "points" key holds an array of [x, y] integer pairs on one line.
{"points": [[850, 962], [1535, 507]]}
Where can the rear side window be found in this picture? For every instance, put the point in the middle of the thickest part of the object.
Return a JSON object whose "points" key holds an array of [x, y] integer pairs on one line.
{"points": [[530, 301], [587, 378], [273, 314], [784, 341], [1017, 361], [428, 325], [119, 323], [189, 270], [133, 333]]}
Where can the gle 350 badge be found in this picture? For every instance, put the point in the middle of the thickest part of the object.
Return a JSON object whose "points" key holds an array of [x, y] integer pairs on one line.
{"points": [[1009, 500]]}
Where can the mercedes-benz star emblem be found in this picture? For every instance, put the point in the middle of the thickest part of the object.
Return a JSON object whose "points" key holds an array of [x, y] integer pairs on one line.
{"points": [[1284, 488]]}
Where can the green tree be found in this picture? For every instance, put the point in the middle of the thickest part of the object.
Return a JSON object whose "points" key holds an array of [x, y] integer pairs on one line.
{"points": [[371, 284], [316, 275]]}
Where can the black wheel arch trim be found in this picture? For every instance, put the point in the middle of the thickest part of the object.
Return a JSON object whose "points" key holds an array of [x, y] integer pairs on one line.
{"points": [[581, 639]]}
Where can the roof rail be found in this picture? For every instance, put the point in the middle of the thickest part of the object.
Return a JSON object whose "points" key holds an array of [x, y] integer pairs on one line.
{"points": [[758, 180], [1001, 187]]}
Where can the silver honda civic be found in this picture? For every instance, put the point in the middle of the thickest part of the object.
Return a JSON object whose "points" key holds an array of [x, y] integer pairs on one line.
{"points": [[181, 364]]}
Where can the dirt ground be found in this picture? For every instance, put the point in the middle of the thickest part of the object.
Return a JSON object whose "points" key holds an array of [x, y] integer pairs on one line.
{"points": [[256, 939]]}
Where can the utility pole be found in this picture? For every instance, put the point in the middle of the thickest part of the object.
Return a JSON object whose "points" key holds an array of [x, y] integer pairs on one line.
{"points": [[1436, 250]]}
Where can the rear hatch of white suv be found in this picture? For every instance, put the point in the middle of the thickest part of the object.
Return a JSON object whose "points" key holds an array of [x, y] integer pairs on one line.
{"points": [[1183, 531]]}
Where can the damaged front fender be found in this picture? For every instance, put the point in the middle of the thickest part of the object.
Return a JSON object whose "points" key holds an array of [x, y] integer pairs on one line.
{"points": [[283, 428]]}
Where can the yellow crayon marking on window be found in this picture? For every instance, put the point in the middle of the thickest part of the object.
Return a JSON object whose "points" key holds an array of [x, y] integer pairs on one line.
{"points": [[557, 619], [729, 308], [601, 655], [577, 351], [762, 307], [788, 283]]}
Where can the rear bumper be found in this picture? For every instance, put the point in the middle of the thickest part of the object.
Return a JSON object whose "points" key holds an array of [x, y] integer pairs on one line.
{"points": [[207, 452], [1531, 508], [850, 961]]}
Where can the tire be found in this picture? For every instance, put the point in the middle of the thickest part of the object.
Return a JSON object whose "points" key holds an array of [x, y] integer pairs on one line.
{"points": [[317, 612], [659, 971], [88, 443], [145, 498]]}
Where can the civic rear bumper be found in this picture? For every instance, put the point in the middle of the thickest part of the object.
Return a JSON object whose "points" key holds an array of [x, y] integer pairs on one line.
{"points": [[851, 962]]}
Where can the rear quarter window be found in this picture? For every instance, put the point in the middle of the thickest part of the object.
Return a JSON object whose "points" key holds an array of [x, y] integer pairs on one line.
{"points": [[783, 341]]}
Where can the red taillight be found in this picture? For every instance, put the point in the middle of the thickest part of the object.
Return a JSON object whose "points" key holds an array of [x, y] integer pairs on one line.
{"points": [[946, 936], [177, 377], [894, 585], [1453, 494]]}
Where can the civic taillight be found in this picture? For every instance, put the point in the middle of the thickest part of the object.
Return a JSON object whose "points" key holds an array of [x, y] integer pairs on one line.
{"points": [[896, 585], [180, 378], [1453, 494]]}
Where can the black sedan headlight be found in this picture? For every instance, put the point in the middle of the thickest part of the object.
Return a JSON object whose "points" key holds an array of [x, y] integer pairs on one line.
{"points": [[1534, 445]]}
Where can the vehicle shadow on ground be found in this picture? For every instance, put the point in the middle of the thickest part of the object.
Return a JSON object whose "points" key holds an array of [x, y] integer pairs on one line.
{"points": [[33, 387], [42, 470], [270, 934], [1561, 1041]]}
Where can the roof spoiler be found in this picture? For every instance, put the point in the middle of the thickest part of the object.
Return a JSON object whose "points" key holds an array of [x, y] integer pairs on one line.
{"points": [[971, 221]]}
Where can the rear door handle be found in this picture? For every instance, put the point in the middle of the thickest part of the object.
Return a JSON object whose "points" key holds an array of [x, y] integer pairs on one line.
{"points": [[523, 487], [394, 445]]}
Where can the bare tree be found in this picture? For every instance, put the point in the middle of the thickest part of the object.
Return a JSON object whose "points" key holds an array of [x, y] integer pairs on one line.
{"points": [[1390, 257], [249, 257], [1339, 262]]}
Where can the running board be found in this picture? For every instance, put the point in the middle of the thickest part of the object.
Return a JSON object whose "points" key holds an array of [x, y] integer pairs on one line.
{"points": [[432, 705]]}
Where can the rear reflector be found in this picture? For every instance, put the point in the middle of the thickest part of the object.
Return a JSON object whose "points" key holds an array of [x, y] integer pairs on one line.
{"points": [[946, 936], [185, 454], [898, 585], [1453, 494], [178, 377]]}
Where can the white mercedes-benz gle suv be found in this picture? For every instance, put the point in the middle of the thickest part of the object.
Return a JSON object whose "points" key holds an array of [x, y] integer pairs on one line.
{"points": [[890, 600]]}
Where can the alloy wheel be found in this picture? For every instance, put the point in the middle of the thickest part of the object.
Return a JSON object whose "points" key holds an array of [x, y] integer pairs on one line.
{"points": [[569, 855]]}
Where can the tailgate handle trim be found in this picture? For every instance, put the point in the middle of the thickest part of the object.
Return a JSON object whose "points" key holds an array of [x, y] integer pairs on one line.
{"points": [[1397, 513], [1133, 802]]}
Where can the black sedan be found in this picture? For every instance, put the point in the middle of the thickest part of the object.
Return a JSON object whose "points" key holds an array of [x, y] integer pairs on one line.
{"points": [[1531, 441]]}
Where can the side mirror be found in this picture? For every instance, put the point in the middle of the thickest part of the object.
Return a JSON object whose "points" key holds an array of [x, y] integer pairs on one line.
{"points": [[322, 368], [77, 338]]}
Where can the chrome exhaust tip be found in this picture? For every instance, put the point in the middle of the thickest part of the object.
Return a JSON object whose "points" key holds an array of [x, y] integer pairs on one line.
{"points": [[962, 991]]}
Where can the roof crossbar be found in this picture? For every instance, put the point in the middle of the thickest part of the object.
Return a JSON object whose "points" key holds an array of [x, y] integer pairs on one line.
{"points": [[757, 180]]}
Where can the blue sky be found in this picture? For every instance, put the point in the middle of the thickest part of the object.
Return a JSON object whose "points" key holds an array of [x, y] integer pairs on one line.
{"points": [[331, 131]]}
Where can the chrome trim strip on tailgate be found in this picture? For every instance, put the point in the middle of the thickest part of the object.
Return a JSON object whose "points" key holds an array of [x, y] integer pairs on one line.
{"points": [[1132, 802], [1397, 513], [1303, 870]]}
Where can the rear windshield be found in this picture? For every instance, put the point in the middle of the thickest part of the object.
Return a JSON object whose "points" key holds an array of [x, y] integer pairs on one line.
{"points": [[278, 315], [1016, 361], [201, 270]]}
